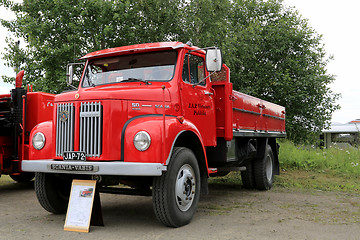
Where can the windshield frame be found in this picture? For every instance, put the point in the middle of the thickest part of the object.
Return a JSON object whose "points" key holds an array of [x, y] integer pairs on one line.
{"points": [[86, 84]]}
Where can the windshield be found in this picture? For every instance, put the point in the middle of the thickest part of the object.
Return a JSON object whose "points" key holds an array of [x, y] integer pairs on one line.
{"points": [[153, 66]]}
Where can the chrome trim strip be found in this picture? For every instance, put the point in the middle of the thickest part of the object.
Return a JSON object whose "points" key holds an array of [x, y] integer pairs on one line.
{"points": [[252, 133], [100, 168]]}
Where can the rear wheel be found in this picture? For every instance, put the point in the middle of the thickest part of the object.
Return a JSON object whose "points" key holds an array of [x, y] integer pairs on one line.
{"points": [[52, 192], [247, 176], [176, 193], [264, 170]]}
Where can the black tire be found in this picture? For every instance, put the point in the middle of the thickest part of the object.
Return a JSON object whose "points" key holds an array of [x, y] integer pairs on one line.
{"points": [[52, 192], [24, 177], [264, 170], [176, 193], [247, 176]]}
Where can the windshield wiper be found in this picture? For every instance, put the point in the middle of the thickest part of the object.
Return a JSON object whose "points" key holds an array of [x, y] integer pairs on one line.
{"points": [[89, 81], [136, 80]]}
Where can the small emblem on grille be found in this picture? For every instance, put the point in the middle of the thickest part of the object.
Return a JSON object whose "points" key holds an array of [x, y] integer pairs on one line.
{"points": [[77, 96], [64, 115]]}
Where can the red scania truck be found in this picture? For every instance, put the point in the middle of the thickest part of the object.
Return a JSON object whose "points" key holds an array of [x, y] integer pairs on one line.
{"points": [[159, 118], [20, 111]]}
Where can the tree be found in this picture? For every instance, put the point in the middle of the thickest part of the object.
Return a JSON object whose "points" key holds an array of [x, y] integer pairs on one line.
{"points": [[273, 53], [280, 58], [59, 31]]}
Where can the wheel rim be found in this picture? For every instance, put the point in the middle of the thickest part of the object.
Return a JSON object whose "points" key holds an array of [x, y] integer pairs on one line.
{"points": [[185, 187], [269, 168]]}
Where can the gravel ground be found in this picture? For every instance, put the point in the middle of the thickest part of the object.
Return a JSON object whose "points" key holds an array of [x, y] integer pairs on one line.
{"points": [[226, 213]]}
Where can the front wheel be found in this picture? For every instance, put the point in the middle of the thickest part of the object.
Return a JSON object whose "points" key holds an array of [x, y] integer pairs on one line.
{"points": [[52, 192], [176, 193]]}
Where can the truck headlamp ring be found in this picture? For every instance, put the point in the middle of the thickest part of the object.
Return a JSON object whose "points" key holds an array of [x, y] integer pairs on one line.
{"points": [[142, 141], [38, 140]]}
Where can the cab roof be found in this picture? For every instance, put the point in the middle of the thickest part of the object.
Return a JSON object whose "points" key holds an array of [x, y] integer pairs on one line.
{"points": [[137, 48]]}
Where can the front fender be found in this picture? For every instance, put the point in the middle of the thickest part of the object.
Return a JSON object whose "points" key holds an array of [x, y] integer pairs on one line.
{"points": [[46, 151], [153, 124]]}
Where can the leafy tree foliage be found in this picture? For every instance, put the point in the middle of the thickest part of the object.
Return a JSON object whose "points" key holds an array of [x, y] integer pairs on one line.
{"points": [[280, 58], [59, 31], [272, 51]]}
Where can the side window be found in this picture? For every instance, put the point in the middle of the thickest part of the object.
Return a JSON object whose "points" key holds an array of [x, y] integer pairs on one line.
{"points": [[193, 69]]}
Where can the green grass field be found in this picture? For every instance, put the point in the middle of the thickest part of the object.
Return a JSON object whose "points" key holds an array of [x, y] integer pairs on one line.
{"points": [[331, 169], [311, 168]]}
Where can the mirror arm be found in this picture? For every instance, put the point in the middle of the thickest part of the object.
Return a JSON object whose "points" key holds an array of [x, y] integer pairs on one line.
{"points": [[213, 47], [202, 80]]}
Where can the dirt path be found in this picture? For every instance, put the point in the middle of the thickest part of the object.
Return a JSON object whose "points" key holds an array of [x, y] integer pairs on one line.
{"points": [[226, 213]]}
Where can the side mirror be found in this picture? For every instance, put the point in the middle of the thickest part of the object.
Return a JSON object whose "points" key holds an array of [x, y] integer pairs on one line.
{"points": [[213, 60], [69, 74]]}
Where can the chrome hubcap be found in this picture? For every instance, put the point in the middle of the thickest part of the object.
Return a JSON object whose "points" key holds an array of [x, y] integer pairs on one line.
{"points": [[185, 187], [269, 168]]}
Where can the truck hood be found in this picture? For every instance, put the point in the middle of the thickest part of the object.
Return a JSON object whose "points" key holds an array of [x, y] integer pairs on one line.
{"points": [[116, 92]]}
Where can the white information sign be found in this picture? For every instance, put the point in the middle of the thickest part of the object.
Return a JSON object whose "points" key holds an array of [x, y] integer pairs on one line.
{"points": [[80, 206]]}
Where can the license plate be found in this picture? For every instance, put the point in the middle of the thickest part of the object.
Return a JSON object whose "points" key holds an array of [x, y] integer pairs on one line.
{"points": [[79, 168], [74, 156]]}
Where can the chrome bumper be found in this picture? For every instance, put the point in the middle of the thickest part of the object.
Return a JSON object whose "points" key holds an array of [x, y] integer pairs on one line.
{"points": [[94, 168]]}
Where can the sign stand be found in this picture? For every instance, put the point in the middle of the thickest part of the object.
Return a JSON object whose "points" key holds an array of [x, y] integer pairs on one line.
{"points": [[97, 217], [84, 200]]}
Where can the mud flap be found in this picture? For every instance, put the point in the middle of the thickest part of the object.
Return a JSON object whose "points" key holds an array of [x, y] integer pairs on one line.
{"points": [[260, 148], [204, 186]]}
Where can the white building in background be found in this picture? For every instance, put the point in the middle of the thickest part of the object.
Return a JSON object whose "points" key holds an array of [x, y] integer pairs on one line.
{"points": [[343, 135]]}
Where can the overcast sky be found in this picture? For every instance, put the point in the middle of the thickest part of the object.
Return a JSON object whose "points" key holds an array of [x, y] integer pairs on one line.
{"points": [[338, 22]]}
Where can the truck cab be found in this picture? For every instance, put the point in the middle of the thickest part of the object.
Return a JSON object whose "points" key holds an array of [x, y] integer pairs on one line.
{"points": [[157, 117]]}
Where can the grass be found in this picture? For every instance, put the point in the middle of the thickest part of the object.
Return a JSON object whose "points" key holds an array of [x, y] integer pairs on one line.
{"points": [[342, 162], [331, 169], [324, 181], [5, 179], [305, 167]]}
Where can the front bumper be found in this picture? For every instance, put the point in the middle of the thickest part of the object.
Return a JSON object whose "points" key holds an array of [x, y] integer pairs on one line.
{"points": [[94, 168]]}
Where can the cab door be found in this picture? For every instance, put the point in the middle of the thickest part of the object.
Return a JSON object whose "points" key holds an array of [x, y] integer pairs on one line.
{"points": [[198, 97]]}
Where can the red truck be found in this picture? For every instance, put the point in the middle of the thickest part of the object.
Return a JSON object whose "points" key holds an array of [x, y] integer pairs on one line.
{"points": [[20, 112], [161, 118]]}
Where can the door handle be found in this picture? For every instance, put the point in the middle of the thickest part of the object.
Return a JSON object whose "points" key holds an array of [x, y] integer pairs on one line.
{"points": [[208, 93]]}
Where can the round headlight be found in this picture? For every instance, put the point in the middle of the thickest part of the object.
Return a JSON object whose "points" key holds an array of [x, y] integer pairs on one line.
{"points": [[142, 141], [38, 140]]}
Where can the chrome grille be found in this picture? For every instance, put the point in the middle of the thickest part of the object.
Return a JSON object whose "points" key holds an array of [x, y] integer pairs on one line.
{"points": [[64, 128], [90, 128]]}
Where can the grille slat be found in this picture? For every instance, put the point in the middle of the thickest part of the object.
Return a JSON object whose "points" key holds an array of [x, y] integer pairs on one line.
{"points": [[91, 131], [64, 128], [72, 113], [90, 121]]}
